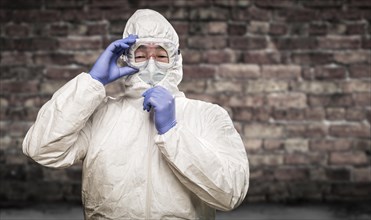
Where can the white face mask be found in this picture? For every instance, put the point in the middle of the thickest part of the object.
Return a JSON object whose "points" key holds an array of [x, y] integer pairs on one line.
{"points": [[152, 73]]}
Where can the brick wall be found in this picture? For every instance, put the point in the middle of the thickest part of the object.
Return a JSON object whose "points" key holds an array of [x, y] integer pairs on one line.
{"points": [[294, 76]]}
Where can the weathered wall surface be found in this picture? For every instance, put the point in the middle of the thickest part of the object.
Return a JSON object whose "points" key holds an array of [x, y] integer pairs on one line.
{"points": [[294, 75]]}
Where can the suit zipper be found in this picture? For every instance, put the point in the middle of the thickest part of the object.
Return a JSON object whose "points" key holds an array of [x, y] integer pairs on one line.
{"points": [[149, 174]]}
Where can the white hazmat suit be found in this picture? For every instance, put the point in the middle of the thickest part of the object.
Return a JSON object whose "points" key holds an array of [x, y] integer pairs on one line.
{"points": [[129, 170]]}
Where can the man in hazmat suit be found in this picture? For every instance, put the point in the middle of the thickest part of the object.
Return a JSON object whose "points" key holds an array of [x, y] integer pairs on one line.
{"points": [[151, 153]]}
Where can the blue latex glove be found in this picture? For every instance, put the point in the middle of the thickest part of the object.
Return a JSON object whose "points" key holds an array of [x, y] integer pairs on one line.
{"points": [[105, 69], [163, 104]]}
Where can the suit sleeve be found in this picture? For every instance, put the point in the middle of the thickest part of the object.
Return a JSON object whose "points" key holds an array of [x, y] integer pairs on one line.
{"points": [[60, 135], [213, 164]]}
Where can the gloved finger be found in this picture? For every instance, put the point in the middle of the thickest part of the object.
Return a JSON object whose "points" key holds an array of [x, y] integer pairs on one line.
{"points": [[147, 100], [148, 91], [151, 97], [127, 70], [118, 47], [147, 104], [130, 39]]}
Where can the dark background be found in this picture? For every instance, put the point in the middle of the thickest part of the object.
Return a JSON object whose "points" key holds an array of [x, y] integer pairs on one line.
{"points": [[294, 75]]}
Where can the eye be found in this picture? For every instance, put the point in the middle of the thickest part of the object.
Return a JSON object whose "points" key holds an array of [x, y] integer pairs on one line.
{"points": [[162, 56], [140, 56]]}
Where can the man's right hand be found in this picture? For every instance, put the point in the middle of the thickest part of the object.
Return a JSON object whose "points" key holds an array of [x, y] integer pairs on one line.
{"points": [[105, 69]]}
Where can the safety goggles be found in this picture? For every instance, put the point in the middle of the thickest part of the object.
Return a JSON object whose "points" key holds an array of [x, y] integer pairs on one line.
{"points": [[163, 51]]}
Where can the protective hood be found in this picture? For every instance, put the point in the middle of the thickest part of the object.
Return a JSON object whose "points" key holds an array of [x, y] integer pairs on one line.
{"points": [[146, 23]]}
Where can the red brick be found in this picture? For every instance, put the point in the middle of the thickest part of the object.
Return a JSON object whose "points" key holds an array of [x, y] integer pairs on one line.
{"points": [[53, 58], [335, 15], [17, 30], [353, 86], [18, 86], [253, 145], [361, 144], [247, 101], [291, 174], [359, 71], [257, 14], [63, 72], [228, 87], [277, 29], [348, 158], [306, 131], [352, 57], [217, 27], [350, 191], [362, 99], [19, 4], [210, 42], [274, 4], [265, 160], [258, 27], [355, 115], [288, 114], [299, 15], [361, 175], [281, 71], [256, 57], [314, 114], [58, 29], [338, 174], [251, 13], [15, 58], [97, 29], [289, 100], [323, 4], [237, 29], [110, 4], [191, 56], [334, 100], [80, 43], [317, 29], [200, 13], [239, 71], [330, 144], [251, 43], [221, 56], [356, 29], [178, 14], [333, 114], [65, 4], [36, 15], [312, 58], [273, 145], [350, 130], [251, 114], [360, 3], [339, 42], [315, 87], [323, 73], [266, 86], [304, 159], [195, 71], [182, 28], [294, 43], [263, 131], [368, 116], [91, 14], [366, 43]]}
